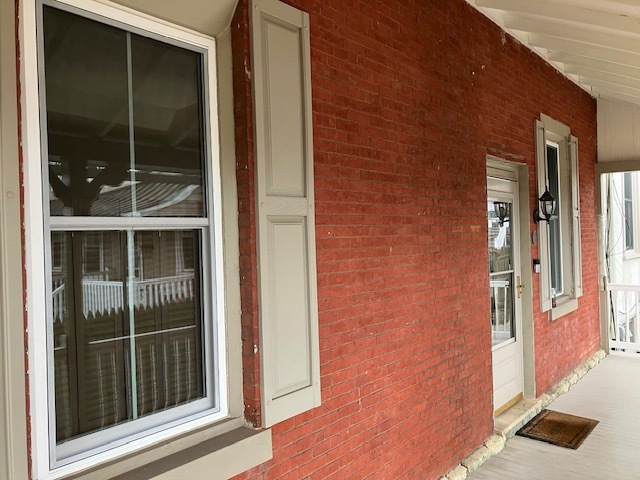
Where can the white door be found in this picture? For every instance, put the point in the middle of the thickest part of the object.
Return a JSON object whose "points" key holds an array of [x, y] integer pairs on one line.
{"points": [[505, 292]]}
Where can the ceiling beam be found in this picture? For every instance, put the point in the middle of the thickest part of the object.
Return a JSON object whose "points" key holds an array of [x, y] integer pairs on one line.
{"points": [[612, 87], [577, 61], [585, 50], [559, 29], [604, 93], [587, 74]]}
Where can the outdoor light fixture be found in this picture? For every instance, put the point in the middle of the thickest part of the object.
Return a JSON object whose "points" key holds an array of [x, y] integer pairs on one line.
{"points": [[547, 205], [502, 211]]}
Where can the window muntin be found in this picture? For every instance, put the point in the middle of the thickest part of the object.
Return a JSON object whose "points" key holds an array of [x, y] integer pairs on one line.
{"points": [[555, 222], [131, 334]]}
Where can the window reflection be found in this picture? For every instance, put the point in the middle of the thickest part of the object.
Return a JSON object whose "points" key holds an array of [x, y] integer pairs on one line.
{"points": [[500, 274], [126, 140], [105, 306]]}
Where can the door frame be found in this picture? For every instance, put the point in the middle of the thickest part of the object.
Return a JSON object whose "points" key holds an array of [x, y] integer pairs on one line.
{"points": [[519, 172]]}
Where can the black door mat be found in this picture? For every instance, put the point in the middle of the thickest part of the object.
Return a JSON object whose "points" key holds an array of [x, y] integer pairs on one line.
{"points": [[557, 428]]}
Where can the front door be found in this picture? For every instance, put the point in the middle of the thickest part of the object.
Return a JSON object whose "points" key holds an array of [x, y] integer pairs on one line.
{"points": [[505, 292]]}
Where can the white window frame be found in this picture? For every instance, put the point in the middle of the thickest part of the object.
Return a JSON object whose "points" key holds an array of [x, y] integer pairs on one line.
{"points": [[559, 217], [44, 465], [550, 131], [634, 251]]}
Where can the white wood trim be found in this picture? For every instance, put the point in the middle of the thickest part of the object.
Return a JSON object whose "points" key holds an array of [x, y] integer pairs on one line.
{"points": [[576, 244], [13, 409], [34, 242]]}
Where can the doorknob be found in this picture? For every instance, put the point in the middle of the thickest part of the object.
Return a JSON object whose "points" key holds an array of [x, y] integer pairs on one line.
{"points": [[519, 287]]}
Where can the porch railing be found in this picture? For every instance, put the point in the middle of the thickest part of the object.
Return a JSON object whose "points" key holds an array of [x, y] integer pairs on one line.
{"points": [[624, 301], [101, 297]]}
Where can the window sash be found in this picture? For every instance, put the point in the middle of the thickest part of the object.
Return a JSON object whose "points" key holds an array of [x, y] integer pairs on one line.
{"points": [[555, 222], [73, 448]]}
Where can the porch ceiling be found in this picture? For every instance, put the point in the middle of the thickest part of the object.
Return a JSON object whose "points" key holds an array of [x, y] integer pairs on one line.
{"points": [[596, 43]]}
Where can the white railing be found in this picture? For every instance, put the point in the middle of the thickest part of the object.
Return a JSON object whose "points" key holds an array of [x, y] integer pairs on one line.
{"points": [[101, 297], [624, 301]]}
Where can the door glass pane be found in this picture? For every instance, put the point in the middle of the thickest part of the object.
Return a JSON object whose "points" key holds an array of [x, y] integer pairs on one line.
{"points": [[124, 122], [501, 281], [127, 326]]}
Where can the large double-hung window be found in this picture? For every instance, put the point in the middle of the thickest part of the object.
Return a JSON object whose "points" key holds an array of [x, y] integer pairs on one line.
{"points": [[135, 340]]}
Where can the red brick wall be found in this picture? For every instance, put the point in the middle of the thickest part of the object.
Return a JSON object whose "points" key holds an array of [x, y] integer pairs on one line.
{"points": [[408, 99]]}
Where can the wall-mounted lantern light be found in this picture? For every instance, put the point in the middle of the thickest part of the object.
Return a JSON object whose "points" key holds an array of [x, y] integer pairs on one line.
{"points": [[546, 207], [502, 211]]}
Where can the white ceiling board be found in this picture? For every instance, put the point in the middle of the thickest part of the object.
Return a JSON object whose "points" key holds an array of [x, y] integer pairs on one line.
{"points": [[551, 11], [210, 17]]}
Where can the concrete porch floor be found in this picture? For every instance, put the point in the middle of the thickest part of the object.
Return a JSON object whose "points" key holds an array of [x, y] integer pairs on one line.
{"points": [[609, 393]]}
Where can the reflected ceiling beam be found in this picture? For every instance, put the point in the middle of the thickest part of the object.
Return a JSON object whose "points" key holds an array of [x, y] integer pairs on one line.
{"points": [[142, 75], [112, 152]]}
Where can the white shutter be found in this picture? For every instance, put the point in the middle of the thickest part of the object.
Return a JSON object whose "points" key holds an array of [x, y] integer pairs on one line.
{"points": [[281, 72], [576, 248], [543, 226]]}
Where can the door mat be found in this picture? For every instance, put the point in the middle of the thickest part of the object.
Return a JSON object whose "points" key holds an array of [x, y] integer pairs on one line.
{"points": [[558, 428]]}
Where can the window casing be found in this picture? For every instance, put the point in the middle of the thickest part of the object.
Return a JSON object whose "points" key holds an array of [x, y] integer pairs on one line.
{"points": [[559, 240], [134, 342]]}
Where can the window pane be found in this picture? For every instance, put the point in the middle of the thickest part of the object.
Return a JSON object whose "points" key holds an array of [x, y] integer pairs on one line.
{"points": [[127, 338], [628, 212], [500, 272], [124, 122], [168, 129], [555, 240]]}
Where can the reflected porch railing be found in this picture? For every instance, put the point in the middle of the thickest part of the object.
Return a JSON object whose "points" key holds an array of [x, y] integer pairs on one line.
{"points": [[101, 297], [624, 303]]}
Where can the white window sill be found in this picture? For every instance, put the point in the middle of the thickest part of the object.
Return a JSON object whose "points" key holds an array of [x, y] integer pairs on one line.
{"points": [[564, 307], [630, 254], [217, 457]]}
